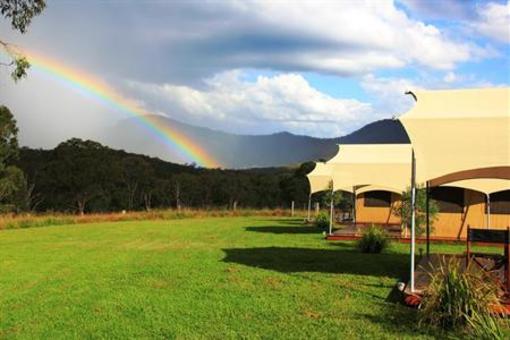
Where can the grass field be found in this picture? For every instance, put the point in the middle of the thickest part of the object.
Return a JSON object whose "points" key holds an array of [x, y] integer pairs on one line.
{"points": [[253, 277]]}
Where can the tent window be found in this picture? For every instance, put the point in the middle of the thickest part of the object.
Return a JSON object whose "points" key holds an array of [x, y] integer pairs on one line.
{"points": [[500, 202], [377, 199], [449, 200]]}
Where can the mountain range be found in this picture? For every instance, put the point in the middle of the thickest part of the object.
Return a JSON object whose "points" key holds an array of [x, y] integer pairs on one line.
{"points": [[248, 151]]}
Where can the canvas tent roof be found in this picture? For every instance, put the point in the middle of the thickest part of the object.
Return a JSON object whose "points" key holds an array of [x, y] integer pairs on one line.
{"points": [[484, 185], [460, 134], [320, 177], [363, 189], [383, 166]]}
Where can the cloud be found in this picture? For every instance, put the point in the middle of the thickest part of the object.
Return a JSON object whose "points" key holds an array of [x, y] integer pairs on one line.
{"points": [[361, 38], [450, 77], [446, 9], [494, 21], [186, 41], [270, 103], [389, 93], [167, 49]]}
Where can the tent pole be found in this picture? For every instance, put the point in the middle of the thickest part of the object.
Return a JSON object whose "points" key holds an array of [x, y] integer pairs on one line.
{"points": [[413, 216], [354, 205], [331, 213], [309, 206], [427, 189], [488, 211]]}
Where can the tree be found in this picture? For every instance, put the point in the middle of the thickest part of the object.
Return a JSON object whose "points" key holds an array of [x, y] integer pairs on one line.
{"points": [[81, 171], [148, 185], [337, 196], [10, 176], [236, 187], [9, 149], [26, 198], [20, 13], [404, 210], [135, 170], [11, 180]]}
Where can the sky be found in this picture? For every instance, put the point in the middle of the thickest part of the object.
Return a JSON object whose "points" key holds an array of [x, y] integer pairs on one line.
{"points": [[318, 68]]}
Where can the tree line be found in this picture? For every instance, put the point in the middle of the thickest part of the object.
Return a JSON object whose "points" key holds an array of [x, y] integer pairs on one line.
{"points": [[84, 176]]}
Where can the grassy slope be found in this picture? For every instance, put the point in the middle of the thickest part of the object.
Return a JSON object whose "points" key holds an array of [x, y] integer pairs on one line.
{"points": [[214, 277]]}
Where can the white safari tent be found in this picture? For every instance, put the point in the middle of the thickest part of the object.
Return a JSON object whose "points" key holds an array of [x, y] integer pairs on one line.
{"points": [[461, 137], [460, 134], [360, 168]]}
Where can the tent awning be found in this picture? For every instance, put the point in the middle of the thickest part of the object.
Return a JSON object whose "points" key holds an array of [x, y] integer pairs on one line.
{"points": [[486, 186], [320, 177], [369, 188], [377, 165], [456, 131]]}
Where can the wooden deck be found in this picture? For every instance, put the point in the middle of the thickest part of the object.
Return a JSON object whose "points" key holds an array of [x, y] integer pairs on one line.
{"points": [[423, 269], [353, 232]]}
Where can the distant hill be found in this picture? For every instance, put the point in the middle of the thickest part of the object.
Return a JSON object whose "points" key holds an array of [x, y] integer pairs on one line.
{"points": [[248, 151]]}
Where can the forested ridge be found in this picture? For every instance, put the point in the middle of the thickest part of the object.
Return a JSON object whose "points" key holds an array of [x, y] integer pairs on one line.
{"points": [[84, 176]]}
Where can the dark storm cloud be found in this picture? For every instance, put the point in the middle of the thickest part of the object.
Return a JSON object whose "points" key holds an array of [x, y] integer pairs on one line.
{"points": [[185, 41]]}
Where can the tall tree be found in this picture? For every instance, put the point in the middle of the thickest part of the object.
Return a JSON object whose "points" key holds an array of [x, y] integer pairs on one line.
{"points": [[26, 198], [10, 176], [81, 170], [9, 149], [20, 13], [134, 170]]}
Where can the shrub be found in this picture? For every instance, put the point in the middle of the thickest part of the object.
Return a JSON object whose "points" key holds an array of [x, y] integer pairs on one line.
{"points": [[461, 300], [322, 221], [373, 240], [404, 210]]}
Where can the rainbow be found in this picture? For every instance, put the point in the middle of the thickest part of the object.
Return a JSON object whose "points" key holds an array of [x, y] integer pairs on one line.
{"points": [[94, 87]]}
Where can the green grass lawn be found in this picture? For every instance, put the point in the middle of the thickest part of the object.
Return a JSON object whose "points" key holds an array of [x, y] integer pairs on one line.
{"points": [[256, 277]]}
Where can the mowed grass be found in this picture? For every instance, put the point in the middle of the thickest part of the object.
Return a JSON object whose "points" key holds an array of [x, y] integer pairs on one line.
{"points": [[252, 277]]}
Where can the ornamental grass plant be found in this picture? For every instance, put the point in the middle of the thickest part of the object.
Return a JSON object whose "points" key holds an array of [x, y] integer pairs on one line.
{"points": [[461, 300]]}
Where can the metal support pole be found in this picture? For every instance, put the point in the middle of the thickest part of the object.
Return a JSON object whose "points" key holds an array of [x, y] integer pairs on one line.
{"points": [[292, 209], [331, 212], [354, 205], [427, 215], [488, 211], [413, 217]]}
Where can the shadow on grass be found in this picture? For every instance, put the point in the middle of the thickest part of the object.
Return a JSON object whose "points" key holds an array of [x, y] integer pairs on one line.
{"points": [[336, 261], [398, 319], [286, 221], [284, 229]]}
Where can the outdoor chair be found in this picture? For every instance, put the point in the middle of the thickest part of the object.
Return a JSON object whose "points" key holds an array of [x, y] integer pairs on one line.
{"points": [[344, 217], [490, 263]]}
